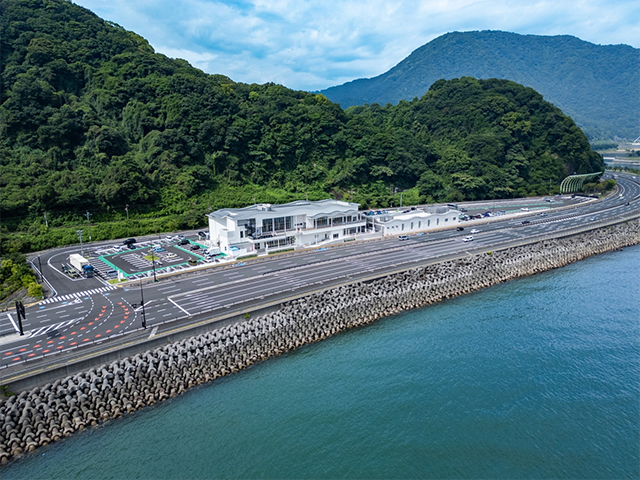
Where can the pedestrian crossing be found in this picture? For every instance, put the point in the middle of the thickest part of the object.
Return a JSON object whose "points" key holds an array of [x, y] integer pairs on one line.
{"points": [[75, 295], [51, 328]]}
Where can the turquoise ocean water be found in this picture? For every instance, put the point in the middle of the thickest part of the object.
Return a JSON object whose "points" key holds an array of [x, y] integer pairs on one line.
{"points": [[537, 378]]}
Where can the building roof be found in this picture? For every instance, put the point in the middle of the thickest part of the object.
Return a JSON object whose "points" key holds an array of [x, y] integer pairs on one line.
{"points": [[312, 209]]}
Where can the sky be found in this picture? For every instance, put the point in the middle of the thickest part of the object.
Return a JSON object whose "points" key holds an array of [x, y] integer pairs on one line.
{"points": [[312, 45]]}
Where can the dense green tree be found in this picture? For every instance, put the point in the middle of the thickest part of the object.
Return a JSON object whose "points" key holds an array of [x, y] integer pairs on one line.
{"points": [[92, 119]]}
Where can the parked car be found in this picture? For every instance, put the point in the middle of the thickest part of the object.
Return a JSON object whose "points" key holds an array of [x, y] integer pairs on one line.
{"points": [[195, 247], [129, 241], [183, 241]]}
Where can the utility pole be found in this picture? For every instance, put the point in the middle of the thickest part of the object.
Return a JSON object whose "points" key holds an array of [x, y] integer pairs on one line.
{"points": [[46, 222], [21, 314], [400, 199], [88, 224], [153, 262], [126, 209], [79, 233], [144, 317], [41, 277]]}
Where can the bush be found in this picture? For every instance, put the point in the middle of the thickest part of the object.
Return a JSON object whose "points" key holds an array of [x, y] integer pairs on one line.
{"points": [[34, 290]]}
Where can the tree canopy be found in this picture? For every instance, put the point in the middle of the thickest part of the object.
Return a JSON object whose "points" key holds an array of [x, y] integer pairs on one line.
{"points": [[93, 119]]}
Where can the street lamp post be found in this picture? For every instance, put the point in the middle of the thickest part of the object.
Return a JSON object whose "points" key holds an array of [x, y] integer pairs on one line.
{"points": [[88, 224], [79, 233], [144, 317], [153, 263], [126, 209], [41, 277]]}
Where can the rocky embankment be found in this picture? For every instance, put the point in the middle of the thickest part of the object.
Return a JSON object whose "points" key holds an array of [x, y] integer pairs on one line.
{"points": [[45, 414]]}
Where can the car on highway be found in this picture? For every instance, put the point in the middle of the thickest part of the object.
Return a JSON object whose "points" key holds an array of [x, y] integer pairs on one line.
{"points": [[592, 219], [526, 222], [468, 238], [460, 229], [474, 230], [129, 241], [403, 237], [543, 214]]}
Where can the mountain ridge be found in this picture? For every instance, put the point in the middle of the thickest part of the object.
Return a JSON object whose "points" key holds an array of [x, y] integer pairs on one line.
{"points": [[598, 87]]}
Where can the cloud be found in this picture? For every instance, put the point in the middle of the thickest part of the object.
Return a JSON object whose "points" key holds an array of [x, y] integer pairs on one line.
{"points": [[312, 45]]}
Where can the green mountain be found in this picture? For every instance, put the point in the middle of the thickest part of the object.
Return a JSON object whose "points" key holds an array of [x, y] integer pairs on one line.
{"points": [[92, 119], [597, 85]]}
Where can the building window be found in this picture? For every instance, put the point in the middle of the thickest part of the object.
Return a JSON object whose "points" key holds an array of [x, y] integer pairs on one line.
{"points": [[437, 221], [267, 225], [428, 223], [446, 219], [420, 224], [411, 225], [403, 226]]}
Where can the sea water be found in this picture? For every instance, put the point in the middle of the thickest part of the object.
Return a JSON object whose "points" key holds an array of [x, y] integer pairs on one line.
{"points": [[536, 378]]}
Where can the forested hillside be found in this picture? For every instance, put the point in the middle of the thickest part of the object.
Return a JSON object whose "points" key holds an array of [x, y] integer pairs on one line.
{"points": [[596, 85], [92, 119]]}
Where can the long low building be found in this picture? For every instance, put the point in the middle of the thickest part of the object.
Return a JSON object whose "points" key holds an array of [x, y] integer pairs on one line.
{"points": [[416, 220], [264, 227]]}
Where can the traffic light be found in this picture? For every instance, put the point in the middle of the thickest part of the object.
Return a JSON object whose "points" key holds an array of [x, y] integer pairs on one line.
{"points": [[21, 315]]}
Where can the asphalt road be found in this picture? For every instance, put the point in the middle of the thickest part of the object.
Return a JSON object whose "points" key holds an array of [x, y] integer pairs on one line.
{"points": [[86, 312]]}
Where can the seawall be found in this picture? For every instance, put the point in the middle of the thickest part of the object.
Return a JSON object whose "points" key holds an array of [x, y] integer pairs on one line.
{"points": [[45, 414]]}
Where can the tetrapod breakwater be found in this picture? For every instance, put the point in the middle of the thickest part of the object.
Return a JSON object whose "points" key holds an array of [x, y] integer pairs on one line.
{"points": [[53, 411]]}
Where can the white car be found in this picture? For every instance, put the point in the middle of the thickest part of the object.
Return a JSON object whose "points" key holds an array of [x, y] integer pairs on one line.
{"points": [[468, 239], [475, 230]]}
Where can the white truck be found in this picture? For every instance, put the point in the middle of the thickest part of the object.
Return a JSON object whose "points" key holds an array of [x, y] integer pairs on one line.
{"points": [[81, 264]]}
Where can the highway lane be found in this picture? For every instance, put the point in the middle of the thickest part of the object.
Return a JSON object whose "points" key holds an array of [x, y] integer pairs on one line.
{"points": [[93, 316]]}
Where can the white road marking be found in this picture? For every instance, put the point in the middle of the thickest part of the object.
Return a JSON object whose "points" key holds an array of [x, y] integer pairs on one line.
{"points": [[171, 300], [13, 323], [153, 332]]}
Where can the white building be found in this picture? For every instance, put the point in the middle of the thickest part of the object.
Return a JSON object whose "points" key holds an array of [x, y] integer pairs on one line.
{"points": [[264, 227], [419, 220]]}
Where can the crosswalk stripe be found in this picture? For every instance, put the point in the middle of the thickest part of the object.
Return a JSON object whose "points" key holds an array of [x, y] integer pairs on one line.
{"points": [[78, 294], [43, 330]]}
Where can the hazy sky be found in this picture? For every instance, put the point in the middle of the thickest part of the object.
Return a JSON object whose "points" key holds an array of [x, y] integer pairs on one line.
{"points": [[311, 45]]}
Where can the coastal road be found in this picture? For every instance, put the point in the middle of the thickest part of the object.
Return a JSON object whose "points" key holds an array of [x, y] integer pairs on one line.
{"points": [[102, 315]]}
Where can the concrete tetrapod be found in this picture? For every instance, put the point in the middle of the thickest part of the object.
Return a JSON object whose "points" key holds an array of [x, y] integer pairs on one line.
{"points": [[46, 414]]}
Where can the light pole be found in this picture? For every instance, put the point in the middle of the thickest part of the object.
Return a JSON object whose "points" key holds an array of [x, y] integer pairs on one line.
{"points": [[144, 317], [79, 233], [153, 262], [41, 277], [126, 209], [88, 224]]}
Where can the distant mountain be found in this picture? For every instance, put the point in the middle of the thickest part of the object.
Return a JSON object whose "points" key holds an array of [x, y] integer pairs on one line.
{"points": [[597, 85]]}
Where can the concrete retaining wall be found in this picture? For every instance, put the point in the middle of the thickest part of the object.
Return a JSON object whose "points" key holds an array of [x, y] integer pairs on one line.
{"points": [[46, 414]]}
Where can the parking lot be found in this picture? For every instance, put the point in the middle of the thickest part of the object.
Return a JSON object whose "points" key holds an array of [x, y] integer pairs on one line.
{"points": [[170, 254]]}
